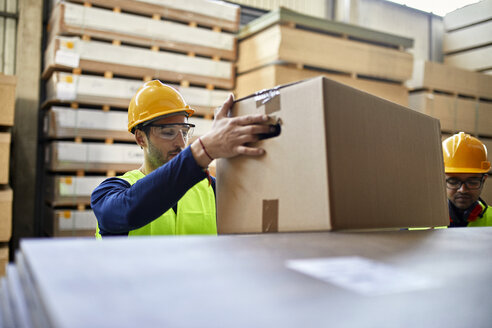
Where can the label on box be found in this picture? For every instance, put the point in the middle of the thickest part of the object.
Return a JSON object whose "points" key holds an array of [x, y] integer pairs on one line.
{"points": [[79, 186], [75, 220], [67, 58], [66, 91], [361, 275]]}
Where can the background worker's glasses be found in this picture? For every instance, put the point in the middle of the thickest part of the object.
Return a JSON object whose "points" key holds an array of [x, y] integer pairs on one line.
{"points": [[170, 131], [471, 184]]}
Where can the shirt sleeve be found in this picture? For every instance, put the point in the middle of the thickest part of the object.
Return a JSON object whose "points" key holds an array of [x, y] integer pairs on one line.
{"points": [[121, 207]]}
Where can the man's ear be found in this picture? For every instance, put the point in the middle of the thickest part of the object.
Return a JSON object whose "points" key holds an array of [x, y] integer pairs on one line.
{"points": [[141, 138]]}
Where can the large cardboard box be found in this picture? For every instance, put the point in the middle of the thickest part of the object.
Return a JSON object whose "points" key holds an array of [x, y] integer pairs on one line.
{"points": [[7, 94], [4, 157], [6, 198], [344, 160]]}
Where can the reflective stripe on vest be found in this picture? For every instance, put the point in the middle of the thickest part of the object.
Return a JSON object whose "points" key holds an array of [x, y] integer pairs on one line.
{"points": [[196, 212]]}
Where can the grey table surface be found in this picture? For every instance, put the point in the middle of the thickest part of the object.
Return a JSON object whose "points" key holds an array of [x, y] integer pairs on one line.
{"points": [[243, 281]]}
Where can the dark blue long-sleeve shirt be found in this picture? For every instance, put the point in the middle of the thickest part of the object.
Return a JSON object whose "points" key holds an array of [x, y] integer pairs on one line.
{"points": [[121, 207]]}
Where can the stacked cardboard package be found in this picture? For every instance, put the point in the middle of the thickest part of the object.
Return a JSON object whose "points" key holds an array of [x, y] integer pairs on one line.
{"points": [[99, 53], [284, 46], [461, 99], [467, 39], [467, 44], [7, 109]]}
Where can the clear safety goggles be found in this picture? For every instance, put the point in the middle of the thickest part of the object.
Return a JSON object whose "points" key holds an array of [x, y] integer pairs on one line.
{"points": [[471, 184], [170, 131]]}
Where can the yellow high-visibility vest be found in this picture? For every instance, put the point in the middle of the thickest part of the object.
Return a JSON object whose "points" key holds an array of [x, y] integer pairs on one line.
{"points": [[196, 212]]}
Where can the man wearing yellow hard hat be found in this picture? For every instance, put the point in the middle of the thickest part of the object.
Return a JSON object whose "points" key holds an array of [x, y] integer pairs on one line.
{"points": [[466, 167], [172, 192]]}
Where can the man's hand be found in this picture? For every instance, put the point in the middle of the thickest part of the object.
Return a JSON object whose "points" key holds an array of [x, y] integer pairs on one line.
{"points": [[229, 136]]}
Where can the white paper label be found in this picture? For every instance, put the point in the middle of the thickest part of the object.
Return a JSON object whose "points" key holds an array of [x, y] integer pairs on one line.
{"points": [[361, 275], [66, 91], [67, 58]]}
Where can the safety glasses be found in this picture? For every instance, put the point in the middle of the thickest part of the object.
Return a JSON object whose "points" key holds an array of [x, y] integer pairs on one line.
{"points": [[471, 184], [170, 131]]}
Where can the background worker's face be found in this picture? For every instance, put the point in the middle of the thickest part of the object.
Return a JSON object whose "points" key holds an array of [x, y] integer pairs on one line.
{"points": [[463, 198], [160, 151]]}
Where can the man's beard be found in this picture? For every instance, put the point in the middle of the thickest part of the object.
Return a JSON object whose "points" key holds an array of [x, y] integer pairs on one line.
{"points": [[157, 159]]}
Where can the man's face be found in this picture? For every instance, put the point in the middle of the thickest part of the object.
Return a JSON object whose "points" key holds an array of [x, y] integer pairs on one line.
{"points": [[463, 197], [159, 151]]}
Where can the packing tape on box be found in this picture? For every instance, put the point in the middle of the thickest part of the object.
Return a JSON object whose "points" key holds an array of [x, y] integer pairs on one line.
{"points": [[270, 215], [270, 99]]}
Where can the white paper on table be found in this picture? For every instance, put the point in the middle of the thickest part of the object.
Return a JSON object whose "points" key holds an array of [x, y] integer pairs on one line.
{"points": [[361, 275]]}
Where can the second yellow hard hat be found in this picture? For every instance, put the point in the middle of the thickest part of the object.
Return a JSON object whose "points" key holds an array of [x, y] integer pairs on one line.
{"points": [[464, 154]]}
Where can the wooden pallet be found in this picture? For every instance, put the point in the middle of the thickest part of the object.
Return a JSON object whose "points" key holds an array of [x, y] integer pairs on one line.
{"points": [[272, 75], [66, 88], [72, 19], [297, 46], [65, 53], [455, 113], [207, 13], [446, 78]]}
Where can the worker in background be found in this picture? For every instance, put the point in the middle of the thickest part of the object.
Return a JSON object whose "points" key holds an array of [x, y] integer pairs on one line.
{"points": [[172, 192], [466, 167]]}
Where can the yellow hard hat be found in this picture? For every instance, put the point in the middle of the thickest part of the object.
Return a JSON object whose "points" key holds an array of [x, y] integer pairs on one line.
{"points": [[153, 100], [464, 154]]}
